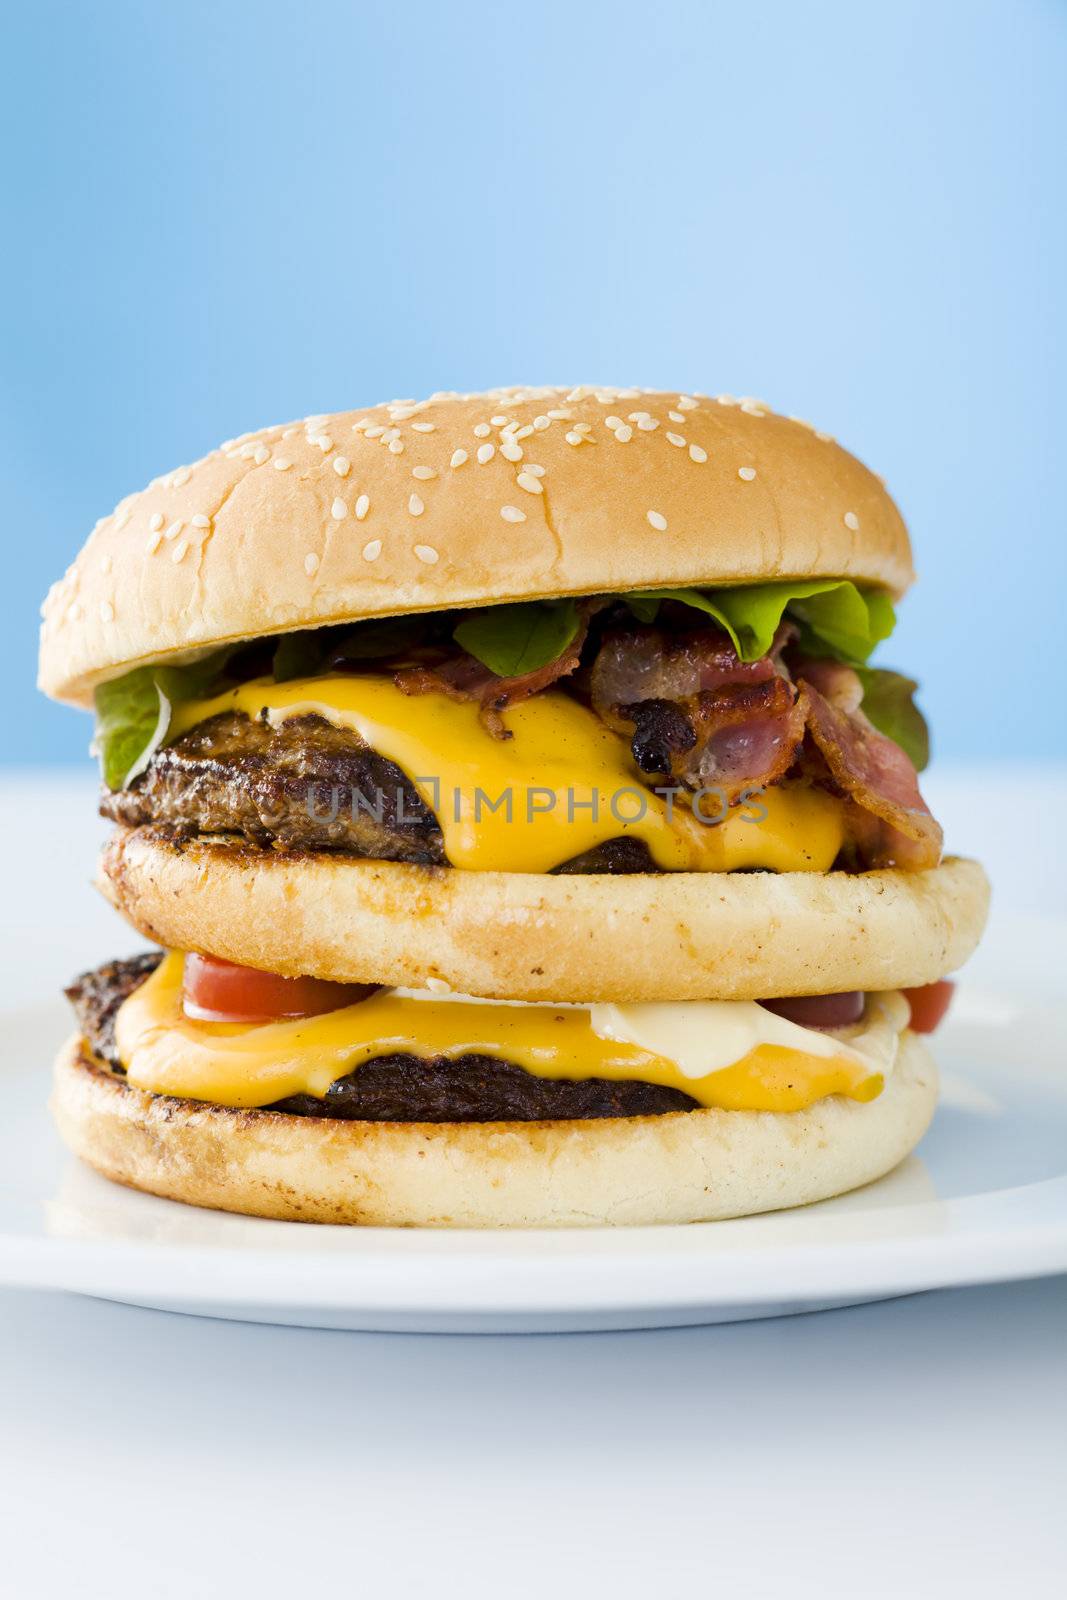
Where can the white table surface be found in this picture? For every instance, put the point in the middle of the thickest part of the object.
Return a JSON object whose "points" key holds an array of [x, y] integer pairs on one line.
{"points": [[915, 1447]]}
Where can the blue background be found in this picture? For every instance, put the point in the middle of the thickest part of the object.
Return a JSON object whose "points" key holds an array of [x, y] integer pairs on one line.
{"points": [[221, 215]]}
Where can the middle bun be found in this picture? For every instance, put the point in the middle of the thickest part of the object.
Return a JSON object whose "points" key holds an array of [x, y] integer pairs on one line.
{"points": [[531, 936]]}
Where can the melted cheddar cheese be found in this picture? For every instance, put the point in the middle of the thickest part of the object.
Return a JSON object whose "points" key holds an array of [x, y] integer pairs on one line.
{"points": [[731, 1054], [562, 784]]}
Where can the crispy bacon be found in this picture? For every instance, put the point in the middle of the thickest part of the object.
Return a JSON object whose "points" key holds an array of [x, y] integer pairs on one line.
{"points": [[636, 664], [748, 735], [891, 822], [696, 712], [463, 677]]}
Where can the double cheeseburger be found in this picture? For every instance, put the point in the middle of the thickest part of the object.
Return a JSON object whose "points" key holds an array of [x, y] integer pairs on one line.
{"points": [[527, 835]]}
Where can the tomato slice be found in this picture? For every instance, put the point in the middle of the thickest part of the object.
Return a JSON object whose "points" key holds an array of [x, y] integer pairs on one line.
{"points": [[222, 991], [820, 1010], [929, 1004]]}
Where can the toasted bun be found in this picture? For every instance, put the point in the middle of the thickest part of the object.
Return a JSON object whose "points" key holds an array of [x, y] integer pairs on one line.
{"points": [[371, 513], [689, 1166], [526, 936]]}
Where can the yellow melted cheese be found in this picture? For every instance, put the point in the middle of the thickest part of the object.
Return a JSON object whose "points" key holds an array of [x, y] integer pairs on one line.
{"points": [[731, 1054], [571, 781]]}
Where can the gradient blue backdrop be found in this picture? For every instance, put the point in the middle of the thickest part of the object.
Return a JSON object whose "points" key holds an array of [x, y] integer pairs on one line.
{"points": [[223, 214]]}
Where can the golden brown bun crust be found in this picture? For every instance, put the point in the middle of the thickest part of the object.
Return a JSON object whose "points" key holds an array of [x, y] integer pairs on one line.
{"points": [[316, 522], [531, 936], [689, 1166]]}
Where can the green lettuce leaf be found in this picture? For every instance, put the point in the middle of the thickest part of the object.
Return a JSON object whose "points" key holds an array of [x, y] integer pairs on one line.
{"points": [[645, 605], [514, 639], [887, 701], [847, 622], [133, 713]]}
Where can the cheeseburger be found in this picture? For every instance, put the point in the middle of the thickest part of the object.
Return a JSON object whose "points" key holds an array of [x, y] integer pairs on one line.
{"points": [[529, 838]]}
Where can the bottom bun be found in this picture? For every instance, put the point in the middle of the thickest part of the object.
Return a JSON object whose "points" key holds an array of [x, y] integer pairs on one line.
{"points": [[687, 1166]]}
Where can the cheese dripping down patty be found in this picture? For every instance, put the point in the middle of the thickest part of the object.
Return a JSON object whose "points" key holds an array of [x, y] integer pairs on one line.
{"points": [[562, 784], [731, 1054]]}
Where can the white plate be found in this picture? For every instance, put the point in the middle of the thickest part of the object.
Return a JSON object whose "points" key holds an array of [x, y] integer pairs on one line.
{"points": [[983, 1199]]}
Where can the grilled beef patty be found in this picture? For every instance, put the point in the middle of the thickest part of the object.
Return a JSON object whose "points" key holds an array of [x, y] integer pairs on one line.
{"points": [[400, 1087], [305, 785]]}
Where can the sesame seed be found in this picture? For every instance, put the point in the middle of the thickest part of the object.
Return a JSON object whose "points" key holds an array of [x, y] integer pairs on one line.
{"points": [[427, 553], [511, 452], [178, 553], [524, 433], [260, 454], [826, 438], [324, 444], [107, 611], [686, 403], [573, 438], [482, 430], [657, 520], [154, 543], [362, 507], [75, 611], [541, 423], [181, 477], [375, 432], [486, 452], [415, 505], [624, 434], [531, 466], [174, 530], [725, 400], [647, 423], [748, 473], [372, 550], [851, 520], [458, 458], [697, 453], [282, 463], [424, 427], [530, 482], [311, 563], [498, 422], [342, 466], [559, 416], [396, 447], [338, 510], [676, 416], [200, 521], [616, 422], [583, 427], [512, 514], [425, 473], [155, 522], [390, 434], [675, 439]]}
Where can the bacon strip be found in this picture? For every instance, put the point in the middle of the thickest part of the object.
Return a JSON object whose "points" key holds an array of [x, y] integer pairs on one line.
{"points": [[893, 825], [696, 712], [646, 664], [463, 677]]}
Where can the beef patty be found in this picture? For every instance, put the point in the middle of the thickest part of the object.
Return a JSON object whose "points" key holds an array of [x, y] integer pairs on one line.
{"points": [[400, 1087], [304, 785]]}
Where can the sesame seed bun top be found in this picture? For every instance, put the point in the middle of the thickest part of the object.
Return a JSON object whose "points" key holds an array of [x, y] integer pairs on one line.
{"points": [[463, 500]]}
